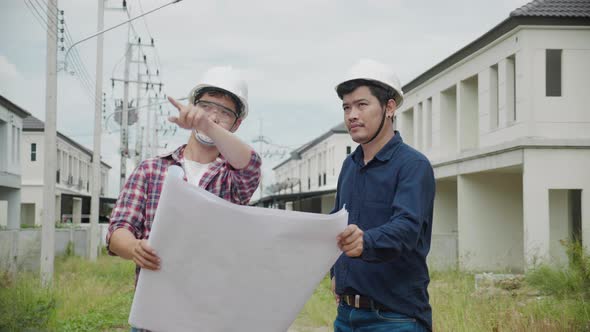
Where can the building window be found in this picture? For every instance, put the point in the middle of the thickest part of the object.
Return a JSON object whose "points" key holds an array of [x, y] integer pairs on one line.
{"points": [[308, 183], [553, 73], [324, 179], [33, 151], [348, 150], [319, 180]]}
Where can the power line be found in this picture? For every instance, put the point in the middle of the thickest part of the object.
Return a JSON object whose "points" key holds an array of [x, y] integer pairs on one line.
{"points": [[39, 18], [83, 76], [158, 63]]}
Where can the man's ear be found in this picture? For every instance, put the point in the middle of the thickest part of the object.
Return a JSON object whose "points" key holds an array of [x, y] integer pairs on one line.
{"points": [[391, 108]]}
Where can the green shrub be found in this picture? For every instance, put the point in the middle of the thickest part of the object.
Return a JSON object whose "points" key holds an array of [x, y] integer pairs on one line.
{"points": [[571, 281]]}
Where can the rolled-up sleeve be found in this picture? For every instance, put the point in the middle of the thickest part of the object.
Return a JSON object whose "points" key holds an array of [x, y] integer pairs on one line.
{"points": [[129, 209], [246, 180]]}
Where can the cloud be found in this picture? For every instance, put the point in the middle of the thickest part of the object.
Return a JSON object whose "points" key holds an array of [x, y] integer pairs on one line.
{"points": [[8, 70], [292, 54]]}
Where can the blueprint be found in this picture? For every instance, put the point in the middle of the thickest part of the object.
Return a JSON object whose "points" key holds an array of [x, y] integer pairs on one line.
{"points": [[226, 267]]}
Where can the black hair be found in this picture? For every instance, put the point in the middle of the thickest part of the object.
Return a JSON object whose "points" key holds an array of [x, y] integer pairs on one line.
{"points": [[380, 92]]}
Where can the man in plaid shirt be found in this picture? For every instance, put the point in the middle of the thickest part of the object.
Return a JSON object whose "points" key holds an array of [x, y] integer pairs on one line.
{"points": [[214, 158]]}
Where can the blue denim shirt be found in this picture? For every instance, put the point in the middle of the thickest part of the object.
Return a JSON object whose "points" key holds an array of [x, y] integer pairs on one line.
{"points": [[391, 199]]}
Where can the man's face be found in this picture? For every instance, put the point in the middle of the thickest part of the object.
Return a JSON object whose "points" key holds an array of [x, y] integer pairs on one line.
{"points": [[221, 110], [362, 114]]}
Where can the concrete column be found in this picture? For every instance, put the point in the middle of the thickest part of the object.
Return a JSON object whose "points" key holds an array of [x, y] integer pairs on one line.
{"points": [[535, 216], [468, 116], [14, 209], [448, 122], [418, 127], [506, 92], [436, 126], [58, 207], [586, 218], [76, 210], [3, 213]]}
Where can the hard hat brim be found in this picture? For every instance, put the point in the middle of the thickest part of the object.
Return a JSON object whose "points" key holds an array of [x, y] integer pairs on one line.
{"points": [[199, 87]]}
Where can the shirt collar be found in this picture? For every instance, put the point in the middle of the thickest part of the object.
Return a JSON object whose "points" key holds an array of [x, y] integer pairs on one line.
{"points": [[384, 154], [178, 154]]}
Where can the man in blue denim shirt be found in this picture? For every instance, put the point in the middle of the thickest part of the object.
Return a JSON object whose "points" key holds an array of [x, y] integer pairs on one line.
{"points": [[388, 189]]}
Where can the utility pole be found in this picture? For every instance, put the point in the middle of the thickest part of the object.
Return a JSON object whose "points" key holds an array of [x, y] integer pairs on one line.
{"points": [[96, 178], [148, 128], [156, 146], [125, 107], [50, 151], [138, 144], [260, 139], [138, 133], [124, 120]]}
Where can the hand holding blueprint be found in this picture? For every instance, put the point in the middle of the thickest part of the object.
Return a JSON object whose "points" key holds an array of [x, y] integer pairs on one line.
{"points": [[227, 267]]}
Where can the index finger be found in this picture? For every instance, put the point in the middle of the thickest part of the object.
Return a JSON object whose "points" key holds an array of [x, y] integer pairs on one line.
{"points": [[176, 104]]}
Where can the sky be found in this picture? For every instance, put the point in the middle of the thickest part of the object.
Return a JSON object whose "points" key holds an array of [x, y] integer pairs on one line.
{"points": [[291, 53]]}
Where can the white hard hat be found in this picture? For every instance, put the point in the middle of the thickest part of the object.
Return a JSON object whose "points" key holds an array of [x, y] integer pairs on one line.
{"points": [[225, 78], [376, 72]]}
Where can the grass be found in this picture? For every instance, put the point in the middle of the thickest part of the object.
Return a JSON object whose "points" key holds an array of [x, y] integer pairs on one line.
{"points": [[320, 309], [84, 297], [97, 296]]}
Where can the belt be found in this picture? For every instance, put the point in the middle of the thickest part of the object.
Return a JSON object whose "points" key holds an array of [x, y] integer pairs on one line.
{"points": [[362, 302]]}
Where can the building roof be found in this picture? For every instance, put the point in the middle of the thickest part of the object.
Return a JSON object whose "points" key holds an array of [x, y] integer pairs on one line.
{"points": [[13, 107], [554, 8], [31, 123], [296, 154], [537, 12]]}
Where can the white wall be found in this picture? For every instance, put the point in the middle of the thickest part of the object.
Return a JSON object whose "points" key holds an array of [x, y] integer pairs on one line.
{"points": [[546, 169], [80, 161], [490, 221], [32, 170], [443, 90], [324, 157], [510, 93], [566, 116], [10, 137]]}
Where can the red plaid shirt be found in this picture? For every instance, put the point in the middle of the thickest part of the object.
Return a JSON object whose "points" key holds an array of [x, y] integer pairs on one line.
{"points": [[138, 200]]}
